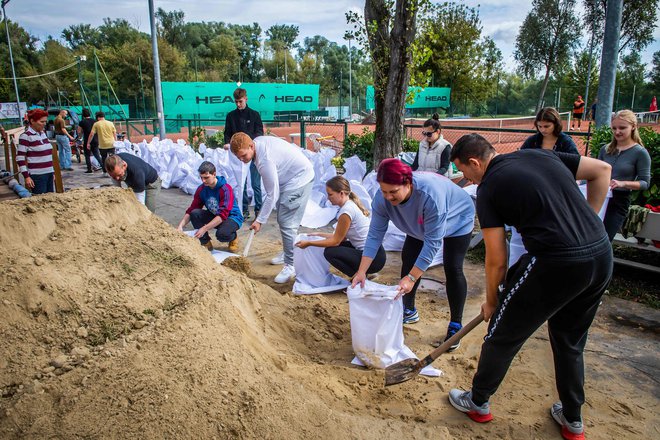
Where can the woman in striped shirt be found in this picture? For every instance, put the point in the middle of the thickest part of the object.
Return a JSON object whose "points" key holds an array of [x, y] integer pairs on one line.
{"points": [[35, 154]]}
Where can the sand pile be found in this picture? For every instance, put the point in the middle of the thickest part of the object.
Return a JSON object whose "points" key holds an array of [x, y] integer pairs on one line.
{"points": [[114, 325]]}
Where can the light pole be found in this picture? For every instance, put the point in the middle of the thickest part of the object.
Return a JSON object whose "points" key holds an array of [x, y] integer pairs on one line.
{"points": [[349, 36], [11, 60], [157, 86]]}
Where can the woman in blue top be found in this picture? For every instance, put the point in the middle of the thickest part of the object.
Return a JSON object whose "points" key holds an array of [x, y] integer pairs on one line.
{"points": [[430, 210], [550, 136]]}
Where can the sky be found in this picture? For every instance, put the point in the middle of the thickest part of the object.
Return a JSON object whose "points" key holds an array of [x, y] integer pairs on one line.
{"points": [[501, 19]]}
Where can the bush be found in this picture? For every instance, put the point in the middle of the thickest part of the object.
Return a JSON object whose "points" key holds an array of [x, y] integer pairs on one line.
{"points": [[216, 140], [360, 145], [651, 140], [410, 144]]}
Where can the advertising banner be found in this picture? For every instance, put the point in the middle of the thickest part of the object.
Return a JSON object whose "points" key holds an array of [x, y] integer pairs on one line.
{"points": [[9, 110], [213, 100], [427, 97]]}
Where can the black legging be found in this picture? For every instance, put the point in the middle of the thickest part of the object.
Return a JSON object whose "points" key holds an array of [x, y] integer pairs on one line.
{"points": [[347, 259], [453, 254]]}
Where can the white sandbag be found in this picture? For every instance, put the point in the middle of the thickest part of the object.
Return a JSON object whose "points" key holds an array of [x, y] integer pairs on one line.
{"points": [[377, 326], [516, 247], [371, 184], [313, 270], [354, 168], [316, 216], [221, 256]]}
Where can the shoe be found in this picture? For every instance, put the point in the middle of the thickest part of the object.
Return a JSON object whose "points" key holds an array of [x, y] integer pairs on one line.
{"points": [[246, 214], [208, 245], [68, 169], [287, 272], [232, 246], [105, 174], [256, 213], [97, 169], [569, 431], [410, 316], [452, 329], [462, 401], [89, 172], [278, 259]]}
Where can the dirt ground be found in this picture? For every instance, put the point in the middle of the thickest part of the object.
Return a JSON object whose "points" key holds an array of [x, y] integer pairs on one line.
{"points": [[114, 325]]}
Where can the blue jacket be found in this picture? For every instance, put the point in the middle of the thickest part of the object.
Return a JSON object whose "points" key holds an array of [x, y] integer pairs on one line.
{"points": [[437, 208]]}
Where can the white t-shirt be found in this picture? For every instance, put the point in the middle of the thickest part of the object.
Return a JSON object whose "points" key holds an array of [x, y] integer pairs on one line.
{"points": [[283, 167], [357, 232]]}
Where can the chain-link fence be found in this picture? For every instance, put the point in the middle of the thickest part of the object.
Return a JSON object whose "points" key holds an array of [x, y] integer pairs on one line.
{"points": [[504, 140]]}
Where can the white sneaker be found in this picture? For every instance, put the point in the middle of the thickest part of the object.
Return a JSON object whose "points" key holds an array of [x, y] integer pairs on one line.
{"points": [[105, 174], [285, 274], [278, 259]]}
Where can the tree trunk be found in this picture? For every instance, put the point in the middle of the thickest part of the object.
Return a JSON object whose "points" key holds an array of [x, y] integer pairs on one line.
{"points": [[543, 88], [391, 58]]}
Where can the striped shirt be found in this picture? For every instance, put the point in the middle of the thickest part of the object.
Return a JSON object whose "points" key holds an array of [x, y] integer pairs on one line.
{"points": [[34, 154]]}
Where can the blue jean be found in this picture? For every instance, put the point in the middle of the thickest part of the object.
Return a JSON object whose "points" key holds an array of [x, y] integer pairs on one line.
{"points": [[255, 181], [43, 183], [64, 150]]}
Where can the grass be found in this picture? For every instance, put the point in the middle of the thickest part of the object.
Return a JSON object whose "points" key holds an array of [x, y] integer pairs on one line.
{"points": [[108, 331]]}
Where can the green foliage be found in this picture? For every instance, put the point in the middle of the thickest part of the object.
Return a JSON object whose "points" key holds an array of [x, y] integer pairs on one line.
{"points": [[196, 137], [360, 145], [216, 140], [651, 140], [410, 144]]}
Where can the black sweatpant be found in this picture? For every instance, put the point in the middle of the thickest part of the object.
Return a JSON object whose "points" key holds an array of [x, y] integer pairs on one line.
{"points": [[616, 212], [563, 289], [225, 232], [105, 152], [347, 259], [453, 255], [93, 150]]}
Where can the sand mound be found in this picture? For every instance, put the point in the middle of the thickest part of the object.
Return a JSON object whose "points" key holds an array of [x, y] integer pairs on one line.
{"points": [[117, 326], [114, 325]]}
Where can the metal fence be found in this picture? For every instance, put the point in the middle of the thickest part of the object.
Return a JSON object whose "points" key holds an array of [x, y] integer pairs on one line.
{"points": [[504, 140]]}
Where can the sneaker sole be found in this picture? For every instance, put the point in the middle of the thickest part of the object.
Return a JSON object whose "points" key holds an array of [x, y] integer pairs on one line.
{"points": [[565, 432], [413, 321], [479, 418]]}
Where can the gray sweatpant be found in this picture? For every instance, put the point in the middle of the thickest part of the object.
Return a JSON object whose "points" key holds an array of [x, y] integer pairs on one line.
{"points": [[290, 209]]}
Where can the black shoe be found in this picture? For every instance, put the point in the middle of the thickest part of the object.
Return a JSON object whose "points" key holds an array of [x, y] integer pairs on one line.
{"points": [[246, 214], [89, 172]]}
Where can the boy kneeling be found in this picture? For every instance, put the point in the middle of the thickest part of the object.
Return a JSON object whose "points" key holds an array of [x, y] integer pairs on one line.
{"points": [[221, 213]]}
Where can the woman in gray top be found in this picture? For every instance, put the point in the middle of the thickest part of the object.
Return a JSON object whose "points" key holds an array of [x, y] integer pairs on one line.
{"points": [[434, 150], [631, 168]]}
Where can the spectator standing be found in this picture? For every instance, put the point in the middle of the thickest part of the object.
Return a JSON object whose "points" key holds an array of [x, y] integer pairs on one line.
{"points": [[85, 129], [631, 168], [578, 112], [62, 137], [107, 134], [248, 121], [549, 136], [34, 155], [434, 150]]}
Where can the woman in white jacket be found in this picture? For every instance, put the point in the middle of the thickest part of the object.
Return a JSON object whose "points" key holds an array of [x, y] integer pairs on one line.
{"points": [[434, 150]]}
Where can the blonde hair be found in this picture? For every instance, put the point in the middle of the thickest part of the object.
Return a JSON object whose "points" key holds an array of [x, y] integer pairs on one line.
{"points": [[340, 184], [239, 141], [629, 117]]}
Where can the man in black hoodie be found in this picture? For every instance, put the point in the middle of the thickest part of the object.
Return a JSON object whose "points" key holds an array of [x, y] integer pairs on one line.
{"points": [[248, 121]]}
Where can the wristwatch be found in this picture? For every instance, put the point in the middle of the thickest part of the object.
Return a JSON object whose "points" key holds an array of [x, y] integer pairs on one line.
{"points": [[412, 278]]}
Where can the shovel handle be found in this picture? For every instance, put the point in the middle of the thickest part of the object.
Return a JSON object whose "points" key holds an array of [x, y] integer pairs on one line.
{"points": [[249, 243], [428, 360]]}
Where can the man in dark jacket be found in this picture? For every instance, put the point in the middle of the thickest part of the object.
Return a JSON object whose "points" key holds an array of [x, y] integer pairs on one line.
{"points": [[248, 121], [138, 175]]}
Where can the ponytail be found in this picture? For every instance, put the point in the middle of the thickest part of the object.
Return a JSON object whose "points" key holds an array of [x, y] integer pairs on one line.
{"points": [[355, 199]]}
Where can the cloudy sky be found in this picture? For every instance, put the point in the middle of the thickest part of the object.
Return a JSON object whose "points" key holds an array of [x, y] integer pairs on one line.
{"points": [[501, 19]]}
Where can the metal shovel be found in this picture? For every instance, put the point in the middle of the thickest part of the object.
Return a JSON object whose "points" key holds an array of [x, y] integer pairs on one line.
{"points": [[410, 368], [248, 244]]}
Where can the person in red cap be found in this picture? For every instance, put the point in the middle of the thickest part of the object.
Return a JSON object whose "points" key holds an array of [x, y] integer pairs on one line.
{"points": [[578, 112]]}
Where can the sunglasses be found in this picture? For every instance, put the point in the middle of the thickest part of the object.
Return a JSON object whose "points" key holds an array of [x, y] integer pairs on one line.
{"points": [[428, 133]]}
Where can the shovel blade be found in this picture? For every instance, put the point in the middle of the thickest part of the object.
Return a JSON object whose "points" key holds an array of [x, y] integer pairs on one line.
{"points": [[402, 371]]}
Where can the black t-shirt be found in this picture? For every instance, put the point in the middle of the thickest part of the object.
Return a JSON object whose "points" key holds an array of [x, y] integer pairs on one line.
{"points": [[86, 124], [139, 174], [535, 191]]}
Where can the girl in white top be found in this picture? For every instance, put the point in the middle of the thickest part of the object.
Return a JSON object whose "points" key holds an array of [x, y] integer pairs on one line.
{"points": [[344, 246]]}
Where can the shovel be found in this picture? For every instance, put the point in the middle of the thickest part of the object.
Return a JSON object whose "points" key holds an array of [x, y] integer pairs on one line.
{"points": [[248, 244], [406, 370]]}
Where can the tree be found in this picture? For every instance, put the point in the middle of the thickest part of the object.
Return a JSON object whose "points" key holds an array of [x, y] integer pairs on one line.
{"points": [[654, 76], [171, 27], [388, 31], [638, 21], [547, 36], [78, 35]]}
